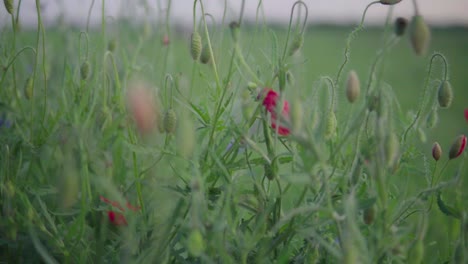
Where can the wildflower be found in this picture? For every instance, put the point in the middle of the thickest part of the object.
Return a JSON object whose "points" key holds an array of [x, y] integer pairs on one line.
{"points": [[143, 108], [457, 147], [270, 100], [117, 218]]}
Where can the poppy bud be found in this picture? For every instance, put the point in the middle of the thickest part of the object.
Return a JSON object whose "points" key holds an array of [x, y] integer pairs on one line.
{"points": [[389, 2], [234, 26], [353, 87], [205, 54], [330, 129], [195, 46], [84, 70], [392, 147], [170, 120], [195, 243], [432, 118], [420, 35], [296, 44], [457, 147], [28, 88], [9, 6], [112, 45], [436, 151], [445, 94], [401, 24]]}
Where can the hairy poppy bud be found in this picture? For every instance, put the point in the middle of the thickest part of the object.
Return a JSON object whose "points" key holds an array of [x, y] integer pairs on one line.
{"points": [[9, 6], [392, 147], [445, 94], [389, 2], [432, 118], [112, 45], [85, 70], [420, 35], [296, 44], [170, 120], [401, 24], [457, 147], [195, 46], [234, 26], [330, 128], [28, 88], [436, 151], [205, 54], [353, 87]]}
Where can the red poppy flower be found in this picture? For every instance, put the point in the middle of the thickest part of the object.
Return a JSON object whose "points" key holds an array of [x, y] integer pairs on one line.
{"points": [[117, 218], [466, 114], [270, 99]]}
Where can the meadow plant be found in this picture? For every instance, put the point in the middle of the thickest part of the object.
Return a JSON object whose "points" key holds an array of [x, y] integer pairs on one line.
{"points": [[245, 160]]}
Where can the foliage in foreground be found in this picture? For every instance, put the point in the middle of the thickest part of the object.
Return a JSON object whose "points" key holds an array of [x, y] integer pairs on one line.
{"points": [[98, 165]]}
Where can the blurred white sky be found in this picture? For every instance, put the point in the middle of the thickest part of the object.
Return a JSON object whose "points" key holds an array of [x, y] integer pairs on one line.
{"points": [[436, 12]]}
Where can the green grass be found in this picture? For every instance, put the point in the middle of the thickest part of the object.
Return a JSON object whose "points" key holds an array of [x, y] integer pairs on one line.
{"points": [[76, 140]]}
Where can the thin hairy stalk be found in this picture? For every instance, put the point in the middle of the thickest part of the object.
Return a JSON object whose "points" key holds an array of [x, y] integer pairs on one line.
{"points": [[425, 87], [349, 39], [89, 15], [290, 25]]}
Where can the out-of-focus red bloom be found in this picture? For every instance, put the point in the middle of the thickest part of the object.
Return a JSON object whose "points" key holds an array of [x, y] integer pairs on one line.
{"points": [[117, 218], [466, 114], [166, 40], [270, 99]]}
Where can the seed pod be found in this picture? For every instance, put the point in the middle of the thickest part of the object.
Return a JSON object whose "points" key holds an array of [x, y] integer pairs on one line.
{"points": [[392, 147], [420, 35], [296, 44], [234, 26], [389, 2], [9, 6], [416, 252], [353, 87], [28, 88], [170, 120], [195, 46], [330, 129], [84, 70], [457, 147], [369, 215], [401, 24], [436, 151], [445, 94], [111, 45], [432, 118], [195, 243], [205, 56]]}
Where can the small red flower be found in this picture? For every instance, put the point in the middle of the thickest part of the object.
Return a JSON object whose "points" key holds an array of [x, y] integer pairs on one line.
{"points": [[166, 40], [466, 114], [270, 99], [117, 218]]}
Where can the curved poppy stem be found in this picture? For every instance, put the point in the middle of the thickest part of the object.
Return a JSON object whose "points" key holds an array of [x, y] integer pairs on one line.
{"points": [[290, 24]]}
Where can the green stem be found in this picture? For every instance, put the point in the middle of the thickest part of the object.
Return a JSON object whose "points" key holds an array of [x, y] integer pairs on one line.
{"points": [[425, 87], [349, 39], [290, 25]]}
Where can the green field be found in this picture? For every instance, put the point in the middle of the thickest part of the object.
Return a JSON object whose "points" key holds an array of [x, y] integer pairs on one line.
{"points": [[67, 140]]}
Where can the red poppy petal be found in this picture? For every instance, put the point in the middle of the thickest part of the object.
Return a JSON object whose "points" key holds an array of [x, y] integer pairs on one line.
{"points": [[283, 131], [462, 147], [466, 114], [133, 208], [112, 203]]}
